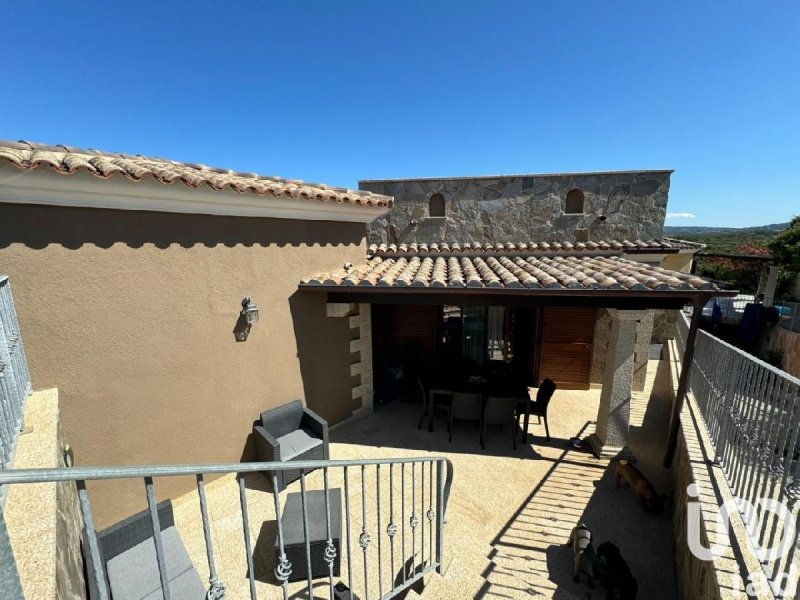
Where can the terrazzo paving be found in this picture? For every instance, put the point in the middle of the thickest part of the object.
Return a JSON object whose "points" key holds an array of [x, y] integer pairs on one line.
{"points": [[508, 518]]}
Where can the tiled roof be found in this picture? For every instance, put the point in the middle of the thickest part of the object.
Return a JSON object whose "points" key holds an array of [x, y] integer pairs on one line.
{"points": [[68, 160], [565, 248], [684, 244], [511, 271]]}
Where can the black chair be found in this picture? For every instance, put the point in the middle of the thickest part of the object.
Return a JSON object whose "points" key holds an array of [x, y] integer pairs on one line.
{"points": [[538, 407], [499, 411], [465, 406], [290, 432], [431, 400]]}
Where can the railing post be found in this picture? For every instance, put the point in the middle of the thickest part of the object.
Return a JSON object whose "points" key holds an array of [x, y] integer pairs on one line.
{"points": [[440, 516], [247, 546], [683, 381], [216, 589], [162, 565], [283, 570], [94, 565]]}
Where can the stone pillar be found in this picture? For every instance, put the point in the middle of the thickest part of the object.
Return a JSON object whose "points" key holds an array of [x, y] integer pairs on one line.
{"points": [[613, 417], [772, 284]]}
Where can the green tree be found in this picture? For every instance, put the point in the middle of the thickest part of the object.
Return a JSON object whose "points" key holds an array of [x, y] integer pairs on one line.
{"points": [[742, 274], [785, 248]]}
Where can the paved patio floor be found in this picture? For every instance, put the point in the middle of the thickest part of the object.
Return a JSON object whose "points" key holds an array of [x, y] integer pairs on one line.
{"points": [[510, 511]]}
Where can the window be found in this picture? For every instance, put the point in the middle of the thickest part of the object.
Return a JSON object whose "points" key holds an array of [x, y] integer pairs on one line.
{"points": [[472, 334], [574, 202], [436, 206], [498, 344]]}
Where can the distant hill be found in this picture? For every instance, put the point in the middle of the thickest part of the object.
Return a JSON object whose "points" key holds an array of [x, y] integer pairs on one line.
{"points": [[727, 239], [679, 231]]}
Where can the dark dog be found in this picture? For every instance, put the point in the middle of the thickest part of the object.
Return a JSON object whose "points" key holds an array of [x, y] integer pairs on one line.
{"points": [[586, 561], [648, 497], [619, 575]]}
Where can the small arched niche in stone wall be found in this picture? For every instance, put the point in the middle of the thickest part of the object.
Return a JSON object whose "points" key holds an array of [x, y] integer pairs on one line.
{"points": [[436, 205], [575, 200]]}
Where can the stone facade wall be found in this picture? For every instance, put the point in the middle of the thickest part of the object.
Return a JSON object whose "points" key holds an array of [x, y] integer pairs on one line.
{"points": [[664, 325], [622, 205], [43, 519], [602, 331]]}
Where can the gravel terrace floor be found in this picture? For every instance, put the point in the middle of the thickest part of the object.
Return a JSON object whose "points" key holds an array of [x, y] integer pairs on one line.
{"points": [[509, 514]]}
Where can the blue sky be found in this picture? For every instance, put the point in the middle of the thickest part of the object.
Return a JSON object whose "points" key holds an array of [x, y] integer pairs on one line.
{"points": [[341, 91]]}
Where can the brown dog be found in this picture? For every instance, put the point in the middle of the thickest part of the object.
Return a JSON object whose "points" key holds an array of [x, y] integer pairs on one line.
{"points": [[645, 491]]}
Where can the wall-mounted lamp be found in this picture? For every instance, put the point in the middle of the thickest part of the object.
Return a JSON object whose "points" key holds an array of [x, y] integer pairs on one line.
{"points": [[249, 311], [247, 317]]}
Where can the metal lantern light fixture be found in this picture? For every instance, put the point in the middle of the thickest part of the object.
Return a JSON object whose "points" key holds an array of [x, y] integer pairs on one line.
{"points": [[249, 311]]}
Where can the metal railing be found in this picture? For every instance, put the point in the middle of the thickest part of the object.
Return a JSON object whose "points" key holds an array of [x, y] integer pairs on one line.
{"points": [[415, 490], [15, 380], [788, 315], [751, 412]]}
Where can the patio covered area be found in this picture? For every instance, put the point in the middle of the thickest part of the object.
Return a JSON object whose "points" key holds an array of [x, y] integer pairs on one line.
{"points": [[476, 318]]}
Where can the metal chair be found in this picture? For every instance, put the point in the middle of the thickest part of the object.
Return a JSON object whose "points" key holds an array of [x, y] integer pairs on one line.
{"points": [[500, 411], [539, 407], [465, 406]]}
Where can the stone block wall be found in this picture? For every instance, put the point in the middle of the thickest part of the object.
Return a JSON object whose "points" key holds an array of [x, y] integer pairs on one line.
{"points": [[359, 319], [361, 367], [617, 205], [664, 325]]}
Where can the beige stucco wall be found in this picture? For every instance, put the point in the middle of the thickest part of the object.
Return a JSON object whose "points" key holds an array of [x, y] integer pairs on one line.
{"points": [[678, 262], [131, 314]]}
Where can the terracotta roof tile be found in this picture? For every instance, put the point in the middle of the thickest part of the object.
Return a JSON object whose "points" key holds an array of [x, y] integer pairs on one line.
{"points": [[509, 249], [684, 244], [68, 161], [513, 271]]}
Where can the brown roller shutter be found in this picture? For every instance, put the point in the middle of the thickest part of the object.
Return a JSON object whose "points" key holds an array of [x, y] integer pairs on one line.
{"points": [[566, 350], [410, 323]]}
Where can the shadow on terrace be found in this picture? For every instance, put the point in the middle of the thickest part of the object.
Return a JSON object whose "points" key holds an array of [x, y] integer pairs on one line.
{"points": [[511, 511]]}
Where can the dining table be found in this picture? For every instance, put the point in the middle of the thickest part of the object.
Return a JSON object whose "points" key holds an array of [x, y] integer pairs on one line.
{"points": [[488, 386]]}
